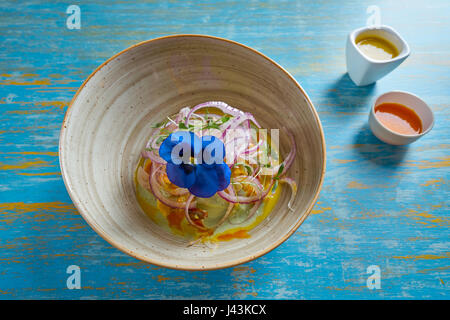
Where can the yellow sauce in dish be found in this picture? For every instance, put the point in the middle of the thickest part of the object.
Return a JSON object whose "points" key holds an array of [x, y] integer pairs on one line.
{"points": [[174, 221], [376, 48], [214, 219]]}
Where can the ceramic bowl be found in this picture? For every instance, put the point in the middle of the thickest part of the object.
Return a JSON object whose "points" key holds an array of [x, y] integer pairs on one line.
{"points": [[411, 101], [109, 121], [364, 70]]}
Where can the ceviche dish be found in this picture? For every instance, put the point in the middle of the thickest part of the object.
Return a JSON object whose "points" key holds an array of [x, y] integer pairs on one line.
{"points": [[211, 173]]}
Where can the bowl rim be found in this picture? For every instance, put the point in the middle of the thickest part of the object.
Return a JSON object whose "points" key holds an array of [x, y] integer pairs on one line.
{"points": [[150, 260]]}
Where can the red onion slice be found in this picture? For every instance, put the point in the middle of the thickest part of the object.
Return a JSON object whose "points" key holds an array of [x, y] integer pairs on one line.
{"points": [[175, 192], [153, 157], [187, 207], [233, 198], [215, 104], [155, 189]]}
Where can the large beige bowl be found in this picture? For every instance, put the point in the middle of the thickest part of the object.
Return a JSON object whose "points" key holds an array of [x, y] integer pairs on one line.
{"points": [[108, 124]]}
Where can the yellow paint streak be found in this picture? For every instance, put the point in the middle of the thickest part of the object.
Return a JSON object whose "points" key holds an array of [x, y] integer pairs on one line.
{"points": [[23, 208], [28, 111], [423, 214], [434, 147], [318, 210], [40, 174], [59, 104], [419, 238], [26, 165], [8, 246], [347, 288], [43, 82], [243, 281], [60, 89], [55, 154], [425, 217], [443, 162], [434, 269], [343, 161], [161, 278], [424, 257], [49, 289], [92, 288], [129, 264], [246, 269], [433, 182], [357, 185]]}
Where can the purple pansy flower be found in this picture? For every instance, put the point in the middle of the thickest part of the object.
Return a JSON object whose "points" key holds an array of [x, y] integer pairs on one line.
{"points": [[196, 163]]}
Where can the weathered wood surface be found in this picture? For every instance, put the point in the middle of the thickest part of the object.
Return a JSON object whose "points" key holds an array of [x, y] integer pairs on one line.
{"points": [[380, 205]]}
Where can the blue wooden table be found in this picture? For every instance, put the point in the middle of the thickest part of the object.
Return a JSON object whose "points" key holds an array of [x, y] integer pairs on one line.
{"points": [[380, 205]]}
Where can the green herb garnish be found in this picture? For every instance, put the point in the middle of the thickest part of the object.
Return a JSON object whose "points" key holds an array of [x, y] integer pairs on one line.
{"points": [[225, 118], [157, 125], [211, 125], [280, 171], [161, 138], [275, 185]]}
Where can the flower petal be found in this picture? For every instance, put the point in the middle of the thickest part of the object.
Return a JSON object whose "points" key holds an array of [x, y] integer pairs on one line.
{"points": [[182, 175], [223, 176], [206, 181], [186, 137], [213, 150]]}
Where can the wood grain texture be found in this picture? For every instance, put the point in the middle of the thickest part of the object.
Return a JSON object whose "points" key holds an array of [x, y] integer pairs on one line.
{"points": [[380, 205]]}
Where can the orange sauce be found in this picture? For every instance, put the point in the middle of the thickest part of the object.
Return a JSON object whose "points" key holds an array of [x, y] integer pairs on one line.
{"points": [[240, 234], [175, 217], [399, 118], [147, 166]]}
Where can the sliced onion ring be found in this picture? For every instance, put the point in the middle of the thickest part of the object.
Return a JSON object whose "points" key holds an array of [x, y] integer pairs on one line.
{"points": [[175, 192], [293, 186], [152, 156], [155, 188], [233, 198], [187, 207], [215, 104]]}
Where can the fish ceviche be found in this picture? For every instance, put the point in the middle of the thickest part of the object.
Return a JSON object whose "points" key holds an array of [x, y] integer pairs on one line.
{"points": [[211, 173]]}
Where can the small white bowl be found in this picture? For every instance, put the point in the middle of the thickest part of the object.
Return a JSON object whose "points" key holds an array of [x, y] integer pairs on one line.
{"points": [[364, 70], [411, 101]]}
